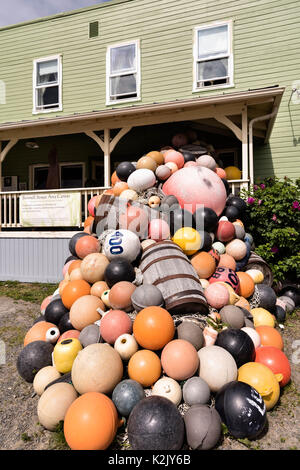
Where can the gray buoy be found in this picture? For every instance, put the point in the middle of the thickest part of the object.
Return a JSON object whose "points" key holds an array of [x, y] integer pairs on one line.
{"points": [[191, 332], [196, 391], [203, 427]]}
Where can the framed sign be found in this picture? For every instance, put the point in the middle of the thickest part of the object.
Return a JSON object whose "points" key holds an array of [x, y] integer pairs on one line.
{"points": [[61, 209]]}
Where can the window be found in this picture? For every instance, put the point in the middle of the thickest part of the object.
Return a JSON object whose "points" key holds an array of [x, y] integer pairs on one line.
{"points": [[94, 29], [123, 72], [47, 88], [213, 60], [71, 175]]}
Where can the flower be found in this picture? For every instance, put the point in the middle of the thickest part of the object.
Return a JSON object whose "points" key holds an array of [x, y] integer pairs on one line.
{"points": [[296, 205], [274, 217], [262, 185], [250, 200], [255, 187], [275, 249], [259, 202]]}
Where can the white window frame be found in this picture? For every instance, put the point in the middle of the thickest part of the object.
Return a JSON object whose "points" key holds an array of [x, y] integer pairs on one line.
{"points": [[61, 164], [137, 72], [228, 23], [35, 110]]}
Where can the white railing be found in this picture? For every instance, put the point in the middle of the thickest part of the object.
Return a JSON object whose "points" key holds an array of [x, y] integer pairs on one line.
{"points": [[237, 185], [10, 201], [10, 204]]}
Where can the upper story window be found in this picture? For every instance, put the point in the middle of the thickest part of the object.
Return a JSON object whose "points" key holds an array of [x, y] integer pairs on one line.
{"points": [[47, 85], [123, 72], [213, 59]]}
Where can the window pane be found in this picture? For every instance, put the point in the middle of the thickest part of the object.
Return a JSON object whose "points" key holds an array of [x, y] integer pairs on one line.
{"points": [[124, 85], [211, 69], [122, 58], [40, 177], [47, 72], [48, 97], [212, 41], [71, 176]]}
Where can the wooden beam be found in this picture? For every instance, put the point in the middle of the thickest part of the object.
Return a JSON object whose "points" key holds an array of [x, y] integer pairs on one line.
{"points": [[106, 157], [96, 138], [7, 148], [118, 137], [230, 124]]}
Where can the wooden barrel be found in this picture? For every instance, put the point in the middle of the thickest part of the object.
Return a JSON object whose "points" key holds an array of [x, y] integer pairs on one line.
{"points": [[256, 262], [166, 266]]}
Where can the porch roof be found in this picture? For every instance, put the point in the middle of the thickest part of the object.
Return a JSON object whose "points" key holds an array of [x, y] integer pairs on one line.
{"points": [[259, 102]]}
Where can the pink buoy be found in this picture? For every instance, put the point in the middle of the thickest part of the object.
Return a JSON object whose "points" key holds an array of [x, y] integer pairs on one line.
{"points": [[45, 303], [159, 230], [217, 295], [195, 186], [114, 324], [92, 205], [191, 163], [174, 157]]}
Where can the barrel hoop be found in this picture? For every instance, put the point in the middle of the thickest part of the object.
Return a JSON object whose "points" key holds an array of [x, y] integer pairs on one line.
{"points": [[181, 295], [163, 258], [161, 247], [176, 276], [186, 300]]}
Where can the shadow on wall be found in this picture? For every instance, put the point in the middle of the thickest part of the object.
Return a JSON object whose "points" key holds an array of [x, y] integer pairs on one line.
{"points": [[263, 161]]}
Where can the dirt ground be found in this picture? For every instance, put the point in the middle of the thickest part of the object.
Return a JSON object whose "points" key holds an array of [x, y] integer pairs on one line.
{"points": [[20, 429]]}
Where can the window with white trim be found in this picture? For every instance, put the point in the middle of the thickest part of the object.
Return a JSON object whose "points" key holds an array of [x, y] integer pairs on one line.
{"points": [[71, 175], [213, 58], [123, 72], [47, 85]]}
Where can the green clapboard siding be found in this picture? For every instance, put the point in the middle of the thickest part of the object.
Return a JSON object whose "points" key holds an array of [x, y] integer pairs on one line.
{"points": [[266, 38]]}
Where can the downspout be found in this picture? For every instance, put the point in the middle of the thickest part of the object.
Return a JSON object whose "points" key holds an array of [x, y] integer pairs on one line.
{"points": [[251, 124]]}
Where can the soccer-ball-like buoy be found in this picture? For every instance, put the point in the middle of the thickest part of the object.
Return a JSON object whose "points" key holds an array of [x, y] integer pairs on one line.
{"points": [[155, 424], [122, 244], [242, 410]]}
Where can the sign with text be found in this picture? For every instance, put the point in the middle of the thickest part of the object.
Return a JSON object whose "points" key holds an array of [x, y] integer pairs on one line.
{"points": [[50, 210]]}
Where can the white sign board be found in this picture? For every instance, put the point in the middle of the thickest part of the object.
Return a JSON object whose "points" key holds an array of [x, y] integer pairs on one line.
{"points": [[50, 209]]}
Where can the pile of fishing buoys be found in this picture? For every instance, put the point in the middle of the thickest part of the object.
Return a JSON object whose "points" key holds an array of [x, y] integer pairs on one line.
{"points": [[108, 354]]}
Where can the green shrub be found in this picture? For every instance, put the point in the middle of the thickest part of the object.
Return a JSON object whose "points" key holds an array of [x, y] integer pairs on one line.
{"points": [[273, 219]]}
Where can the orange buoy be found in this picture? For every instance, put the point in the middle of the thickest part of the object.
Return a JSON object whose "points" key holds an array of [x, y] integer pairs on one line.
{"points": [[179, 359], [247, 285], [114, 178], [120, 296], [41, 331], [153, 328], [73, 290], [144, 367], [74, 265], [84, 311], [88, 221], [87, 245], [98, 288], [119, 187], [204, 264], [157, 156], [227, 261], [269, 336], [91, 422]]}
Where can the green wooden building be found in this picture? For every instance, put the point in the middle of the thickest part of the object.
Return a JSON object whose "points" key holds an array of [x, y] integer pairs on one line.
{"points": [[114, 81]]}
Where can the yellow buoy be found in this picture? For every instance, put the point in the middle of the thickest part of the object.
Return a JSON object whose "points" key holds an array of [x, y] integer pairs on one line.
{"points": [[262, 317], [233, 173], [263, 380], [65, 353], [188, 239]]}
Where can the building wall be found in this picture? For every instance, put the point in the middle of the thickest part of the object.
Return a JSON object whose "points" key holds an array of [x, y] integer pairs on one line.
{"points": [[266, 38]]}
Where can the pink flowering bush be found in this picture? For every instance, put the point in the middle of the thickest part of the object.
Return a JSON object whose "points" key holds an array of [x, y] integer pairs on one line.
{"points": [[273, 219]]}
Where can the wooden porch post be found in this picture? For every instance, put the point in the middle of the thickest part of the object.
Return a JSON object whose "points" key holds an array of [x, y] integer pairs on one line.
{"points": [[0, 187], [106, 157], [245, 160]]}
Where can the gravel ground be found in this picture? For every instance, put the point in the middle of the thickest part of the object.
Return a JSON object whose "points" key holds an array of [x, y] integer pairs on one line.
{"points": [[20, 429]]}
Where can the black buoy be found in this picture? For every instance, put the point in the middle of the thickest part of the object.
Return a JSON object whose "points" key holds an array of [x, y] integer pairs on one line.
{"points": [[119, 270], [65, 323], [155, 424], [232, 213], [124, 170], [34, 357], [267, 297], [206, 219], [237, 202], [292, 292], [188, 156], [238, 344], [54, 311], [179, 218], [206, 241], [242, 410]]}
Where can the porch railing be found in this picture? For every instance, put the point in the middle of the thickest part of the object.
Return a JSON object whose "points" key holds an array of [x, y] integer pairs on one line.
{"points": [[10, 204], [10, 201]]}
